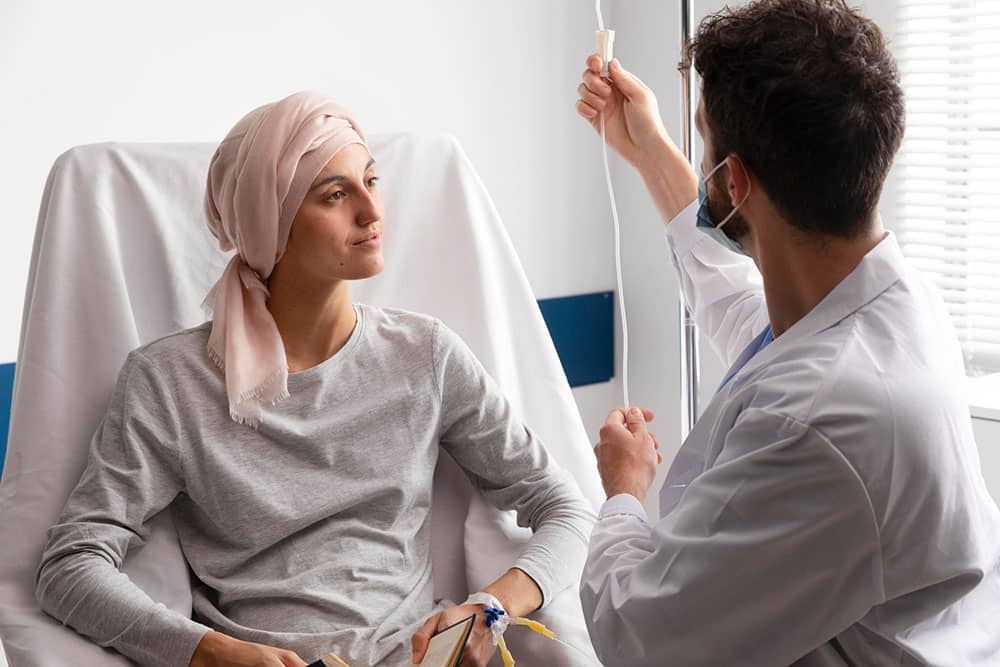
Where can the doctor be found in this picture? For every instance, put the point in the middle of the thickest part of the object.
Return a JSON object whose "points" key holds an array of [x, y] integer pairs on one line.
{"points": [[828, 508]]}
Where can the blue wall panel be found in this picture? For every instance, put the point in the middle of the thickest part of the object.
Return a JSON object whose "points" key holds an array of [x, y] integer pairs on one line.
{"points": [[583, 329], [6, 390]]}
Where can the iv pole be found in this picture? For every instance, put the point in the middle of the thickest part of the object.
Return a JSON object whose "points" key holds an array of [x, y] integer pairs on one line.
{"points": [[688, 332]]}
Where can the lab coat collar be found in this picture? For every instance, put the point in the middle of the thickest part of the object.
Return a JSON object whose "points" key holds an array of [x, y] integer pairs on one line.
{"points": [[878, 270]]}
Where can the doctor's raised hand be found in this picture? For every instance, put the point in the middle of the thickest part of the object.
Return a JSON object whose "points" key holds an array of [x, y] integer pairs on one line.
{"points": [[631, 114], [627, 454], [635, 131]]}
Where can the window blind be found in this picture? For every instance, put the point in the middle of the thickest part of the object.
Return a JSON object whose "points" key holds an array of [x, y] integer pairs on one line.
{"points": [[948, 168]]}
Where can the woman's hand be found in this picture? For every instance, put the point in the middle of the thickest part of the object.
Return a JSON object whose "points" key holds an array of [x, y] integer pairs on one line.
{"points": [[218, 650], [478, 650], [631, 115]]}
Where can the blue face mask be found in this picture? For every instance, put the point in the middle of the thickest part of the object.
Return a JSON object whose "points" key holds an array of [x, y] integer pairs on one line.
{"points": [[705, 222]]}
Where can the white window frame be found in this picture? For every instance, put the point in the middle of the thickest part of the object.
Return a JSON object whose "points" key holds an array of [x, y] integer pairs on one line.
{"points": [[948, 171]]}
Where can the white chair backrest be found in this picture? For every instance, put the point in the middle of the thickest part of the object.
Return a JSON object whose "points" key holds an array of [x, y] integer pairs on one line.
{"points": [[122, 256]]}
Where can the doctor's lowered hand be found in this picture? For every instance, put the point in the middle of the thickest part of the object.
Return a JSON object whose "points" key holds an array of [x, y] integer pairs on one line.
{"points": [[627, 454]]}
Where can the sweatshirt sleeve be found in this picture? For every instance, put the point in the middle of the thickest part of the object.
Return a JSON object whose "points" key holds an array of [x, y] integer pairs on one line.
{"points": [[508, 464], [134, 471]]}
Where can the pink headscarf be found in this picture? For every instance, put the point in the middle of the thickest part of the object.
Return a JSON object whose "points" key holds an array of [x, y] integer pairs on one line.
{"points": [[257, 180]]}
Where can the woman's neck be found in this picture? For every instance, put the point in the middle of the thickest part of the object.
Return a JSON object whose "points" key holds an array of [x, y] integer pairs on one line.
{"points": [[315, 320]]}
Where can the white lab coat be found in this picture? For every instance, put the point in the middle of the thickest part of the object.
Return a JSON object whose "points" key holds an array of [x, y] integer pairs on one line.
{"points": [[828, 508]]}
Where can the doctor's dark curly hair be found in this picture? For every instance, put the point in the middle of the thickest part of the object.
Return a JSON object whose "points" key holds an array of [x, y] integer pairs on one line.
{"points": [[807, 95]]}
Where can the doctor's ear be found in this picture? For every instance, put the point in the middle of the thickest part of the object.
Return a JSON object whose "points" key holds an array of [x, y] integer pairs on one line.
{"points": [[738, 183]]}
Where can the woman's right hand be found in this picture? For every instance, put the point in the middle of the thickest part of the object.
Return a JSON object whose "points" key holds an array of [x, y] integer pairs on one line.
{"points": [[631, 115], [218, 650]]}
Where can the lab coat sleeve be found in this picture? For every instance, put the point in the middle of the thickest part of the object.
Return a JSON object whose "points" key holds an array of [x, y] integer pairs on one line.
{"points": [[510, 466], [722, 289], [133, 472], [767, 555]]}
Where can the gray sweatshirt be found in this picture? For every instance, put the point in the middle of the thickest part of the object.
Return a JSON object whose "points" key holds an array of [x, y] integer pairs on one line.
{"points": [[313, 532]]}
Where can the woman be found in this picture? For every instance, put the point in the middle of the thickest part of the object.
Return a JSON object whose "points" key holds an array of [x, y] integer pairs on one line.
{"points": [[295, 436]]}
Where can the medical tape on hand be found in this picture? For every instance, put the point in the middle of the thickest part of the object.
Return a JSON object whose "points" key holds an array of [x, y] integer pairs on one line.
{"points": [[498, 620]]}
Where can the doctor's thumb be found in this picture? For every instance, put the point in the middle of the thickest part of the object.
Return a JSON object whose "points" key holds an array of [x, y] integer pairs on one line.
{"points": [[635, 421], [629, 84]]}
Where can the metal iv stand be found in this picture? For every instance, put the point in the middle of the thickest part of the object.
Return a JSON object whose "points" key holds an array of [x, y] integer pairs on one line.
{"points": [[690, 369]]}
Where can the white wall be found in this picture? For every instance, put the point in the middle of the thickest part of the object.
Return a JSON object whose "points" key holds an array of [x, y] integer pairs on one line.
{"points": [[499, 75], [988, 438]]}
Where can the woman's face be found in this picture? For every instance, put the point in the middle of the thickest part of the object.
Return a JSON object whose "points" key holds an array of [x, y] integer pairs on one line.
{"points": [[337, 232]]}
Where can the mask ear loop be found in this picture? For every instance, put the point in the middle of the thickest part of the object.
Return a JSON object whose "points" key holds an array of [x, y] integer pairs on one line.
{"points": [[736, 207]]}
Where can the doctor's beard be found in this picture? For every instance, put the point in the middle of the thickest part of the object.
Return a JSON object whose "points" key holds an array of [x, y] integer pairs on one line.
{"points": [[736, 228]]}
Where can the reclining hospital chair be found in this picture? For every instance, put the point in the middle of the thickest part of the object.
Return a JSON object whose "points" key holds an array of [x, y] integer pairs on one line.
{"points": [[122, 256]]}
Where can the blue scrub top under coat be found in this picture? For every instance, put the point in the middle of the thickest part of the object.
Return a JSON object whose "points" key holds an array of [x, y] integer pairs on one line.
{"points": [[755, 346]]}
